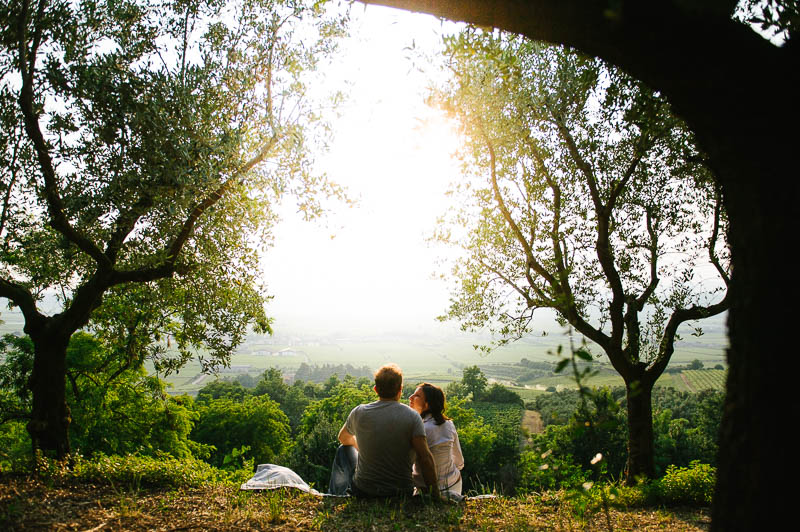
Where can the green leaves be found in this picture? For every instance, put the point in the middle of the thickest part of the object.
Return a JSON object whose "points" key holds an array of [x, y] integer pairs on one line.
{"points": [[171, 139], [582, 192]]}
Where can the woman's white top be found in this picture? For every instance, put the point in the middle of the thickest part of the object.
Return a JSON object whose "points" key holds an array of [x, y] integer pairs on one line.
{"points": [[446, 449]]}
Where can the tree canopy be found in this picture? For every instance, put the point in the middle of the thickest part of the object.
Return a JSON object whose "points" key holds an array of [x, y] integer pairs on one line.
{"points": [[585, 194], [726, 82], [144, 146]]}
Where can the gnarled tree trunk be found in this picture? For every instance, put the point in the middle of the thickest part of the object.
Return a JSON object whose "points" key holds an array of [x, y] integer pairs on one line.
{"points": [[641, 462], [50, 416]]}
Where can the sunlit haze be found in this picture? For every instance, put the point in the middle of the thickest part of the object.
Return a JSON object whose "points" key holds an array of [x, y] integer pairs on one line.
{"points": [[369, 268]]}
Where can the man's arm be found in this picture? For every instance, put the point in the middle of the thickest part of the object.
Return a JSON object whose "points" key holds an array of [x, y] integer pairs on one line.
{"points": [[345, 438], [425, 461]]}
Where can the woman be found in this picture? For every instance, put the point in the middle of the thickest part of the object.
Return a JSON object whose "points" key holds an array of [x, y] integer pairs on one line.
{"points": [[428, 400]]}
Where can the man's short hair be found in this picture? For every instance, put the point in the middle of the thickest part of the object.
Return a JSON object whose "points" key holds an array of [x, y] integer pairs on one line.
{"points": [[388, 381]]}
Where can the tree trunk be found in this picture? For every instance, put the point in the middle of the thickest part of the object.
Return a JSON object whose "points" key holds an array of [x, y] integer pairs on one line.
{"points": [[757, 453], [640, 431], [50, 416]]}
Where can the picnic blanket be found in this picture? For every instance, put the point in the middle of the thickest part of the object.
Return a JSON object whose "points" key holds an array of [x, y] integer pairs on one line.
{"points": [[272, 476]]}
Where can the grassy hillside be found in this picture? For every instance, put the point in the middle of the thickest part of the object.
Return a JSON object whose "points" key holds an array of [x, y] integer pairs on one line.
{"points": [[27, 504]]}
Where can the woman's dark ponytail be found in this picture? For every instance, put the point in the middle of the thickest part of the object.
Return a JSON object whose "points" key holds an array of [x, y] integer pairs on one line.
{"points": [[437, 404]]}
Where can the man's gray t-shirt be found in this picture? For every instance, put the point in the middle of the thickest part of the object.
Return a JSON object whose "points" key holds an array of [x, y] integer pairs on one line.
{"points": [[385, 455]]}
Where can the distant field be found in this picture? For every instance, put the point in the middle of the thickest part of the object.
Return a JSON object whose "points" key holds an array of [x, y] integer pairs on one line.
{"points": [[436, 359], [439, 365], [704, 379]]}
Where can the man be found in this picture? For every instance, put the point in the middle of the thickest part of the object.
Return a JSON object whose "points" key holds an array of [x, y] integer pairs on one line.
{"points": [[379, 441]]}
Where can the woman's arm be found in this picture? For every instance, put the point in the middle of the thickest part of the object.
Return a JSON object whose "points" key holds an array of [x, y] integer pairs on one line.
{"points": [[458, 458]]}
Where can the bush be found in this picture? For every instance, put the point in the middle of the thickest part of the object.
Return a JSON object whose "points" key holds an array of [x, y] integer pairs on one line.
{"points": [[693, 485], [256, 423], [134, 471], [498, 393], [548, 471], [688, 485], [15, 448]]}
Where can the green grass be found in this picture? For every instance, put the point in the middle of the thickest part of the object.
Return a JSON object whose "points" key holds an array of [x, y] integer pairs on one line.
{"points": [[30, 504]]}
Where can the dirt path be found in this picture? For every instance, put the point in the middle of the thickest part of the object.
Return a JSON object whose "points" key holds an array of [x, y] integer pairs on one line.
{"points": [[686, 382], [532, 421]]}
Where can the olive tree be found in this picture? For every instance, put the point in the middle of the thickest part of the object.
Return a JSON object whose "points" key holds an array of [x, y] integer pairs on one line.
{"points": [[726, 81], [586, 195], [143, 146]]}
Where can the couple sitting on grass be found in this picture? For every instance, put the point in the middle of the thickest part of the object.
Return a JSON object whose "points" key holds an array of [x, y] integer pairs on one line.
{"points": [[390, 449]]}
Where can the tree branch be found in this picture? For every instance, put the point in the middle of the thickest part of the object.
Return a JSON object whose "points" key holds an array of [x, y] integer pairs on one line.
{"points": [[714, 235], [168, 266], [21, 297], [654, 280], [678, 317], [603, 242], [530, 259], [55, 207]]}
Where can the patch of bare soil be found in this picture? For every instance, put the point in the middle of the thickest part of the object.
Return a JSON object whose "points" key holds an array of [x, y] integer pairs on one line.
{"points": [[532, 421]]}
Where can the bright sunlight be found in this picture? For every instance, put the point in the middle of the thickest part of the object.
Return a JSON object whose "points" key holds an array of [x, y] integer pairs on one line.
{"points": [[369, 267]]}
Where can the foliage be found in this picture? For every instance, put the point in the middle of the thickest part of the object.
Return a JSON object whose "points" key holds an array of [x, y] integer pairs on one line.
{"points": [[556, 408], [688, 485], [499, 467], [315, 373], [15, 370], [115, 406], [15, 448], [543, 471], [477, 440], [498, 393], [685, 426], [135, 471], [456, 390], [557, 145], [312, 453], [293, 400], [475, 381], [584, 191], [118, 409], [272, 384], [220, 389], [144, 146], [337, 406], [257, 423], [778, 19]]}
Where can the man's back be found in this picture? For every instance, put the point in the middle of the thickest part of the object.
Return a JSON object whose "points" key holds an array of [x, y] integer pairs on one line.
{"points": [[384, 430]]}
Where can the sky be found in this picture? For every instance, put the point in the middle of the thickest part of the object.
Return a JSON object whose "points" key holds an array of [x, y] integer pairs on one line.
{"points": [[369, 267]]}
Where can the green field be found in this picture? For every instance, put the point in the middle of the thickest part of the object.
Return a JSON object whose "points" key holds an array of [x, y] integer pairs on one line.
{"points": [[705, 379], [439, 359]]}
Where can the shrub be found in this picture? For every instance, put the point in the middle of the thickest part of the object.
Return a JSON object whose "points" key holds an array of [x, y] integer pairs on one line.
{"points": [[548, 471], [688, 485], [256, 422], [498, 393], [15, 448], [134, 471]]}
